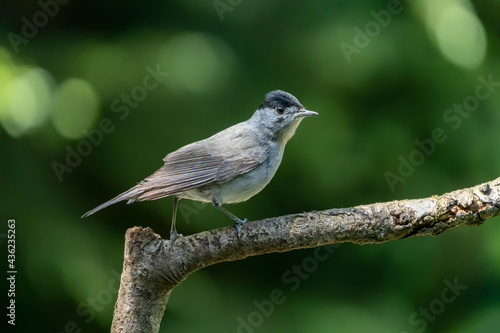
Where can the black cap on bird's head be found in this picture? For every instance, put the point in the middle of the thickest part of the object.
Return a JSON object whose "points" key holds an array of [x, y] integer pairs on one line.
{"points": [[280, 98], [281, 113], [284, 105]]}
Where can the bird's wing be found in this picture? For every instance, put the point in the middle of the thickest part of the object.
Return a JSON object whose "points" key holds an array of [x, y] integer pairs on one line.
{"points": [[196, 165]]}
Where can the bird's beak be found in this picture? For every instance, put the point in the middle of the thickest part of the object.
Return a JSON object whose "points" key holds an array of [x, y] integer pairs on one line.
{"points": [[306, 113]]}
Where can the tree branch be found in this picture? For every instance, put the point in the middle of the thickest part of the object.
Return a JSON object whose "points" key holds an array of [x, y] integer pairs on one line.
{"points": [[153, 267]]}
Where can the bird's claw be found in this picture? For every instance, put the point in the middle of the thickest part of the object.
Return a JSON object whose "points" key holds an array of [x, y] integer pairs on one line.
{"points": [[237, 224], [174, 236]]}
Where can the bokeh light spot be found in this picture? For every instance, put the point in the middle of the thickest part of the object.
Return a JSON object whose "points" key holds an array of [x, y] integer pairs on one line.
{"points": [[461, 37], [198, 61], [25, 98], [457, 31], [76, 106]]}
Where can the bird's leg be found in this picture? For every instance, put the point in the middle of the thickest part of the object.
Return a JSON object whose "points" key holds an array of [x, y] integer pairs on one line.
{"points": [[237, 221], [173, 231]]}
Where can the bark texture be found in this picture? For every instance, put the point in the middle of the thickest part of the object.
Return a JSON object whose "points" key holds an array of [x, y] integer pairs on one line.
{"points": [[153, 267]]}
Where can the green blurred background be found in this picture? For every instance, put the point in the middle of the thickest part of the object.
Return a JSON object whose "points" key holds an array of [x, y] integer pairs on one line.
{"points": [[67, 66]]}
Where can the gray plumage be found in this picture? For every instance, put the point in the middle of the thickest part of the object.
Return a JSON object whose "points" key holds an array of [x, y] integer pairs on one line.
{"points": [[228, 167]]}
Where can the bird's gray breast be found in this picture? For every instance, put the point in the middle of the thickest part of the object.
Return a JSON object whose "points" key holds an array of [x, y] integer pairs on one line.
{"points": [[243, 186], [247, 185]]}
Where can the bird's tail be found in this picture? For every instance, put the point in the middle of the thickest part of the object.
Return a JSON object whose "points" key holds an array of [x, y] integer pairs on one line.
{"points": [[130, 195]]}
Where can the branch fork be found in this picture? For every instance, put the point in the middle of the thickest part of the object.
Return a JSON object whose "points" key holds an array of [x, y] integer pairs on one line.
{"points": [[153, 266]]}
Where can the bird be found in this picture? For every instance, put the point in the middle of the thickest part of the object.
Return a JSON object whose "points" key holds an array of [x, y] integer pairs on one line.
{"points": [[229, 167]]}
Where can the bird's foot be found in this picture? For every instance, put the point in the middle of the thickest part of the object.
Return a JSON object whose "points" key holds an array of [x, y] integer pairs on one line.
{"points": [[237, 224], [174, 236]]}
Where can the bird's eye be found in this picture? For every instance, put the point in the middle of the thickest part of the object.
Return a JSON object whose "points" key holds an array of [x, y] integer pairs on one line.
{"points": [[280, 109]]}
